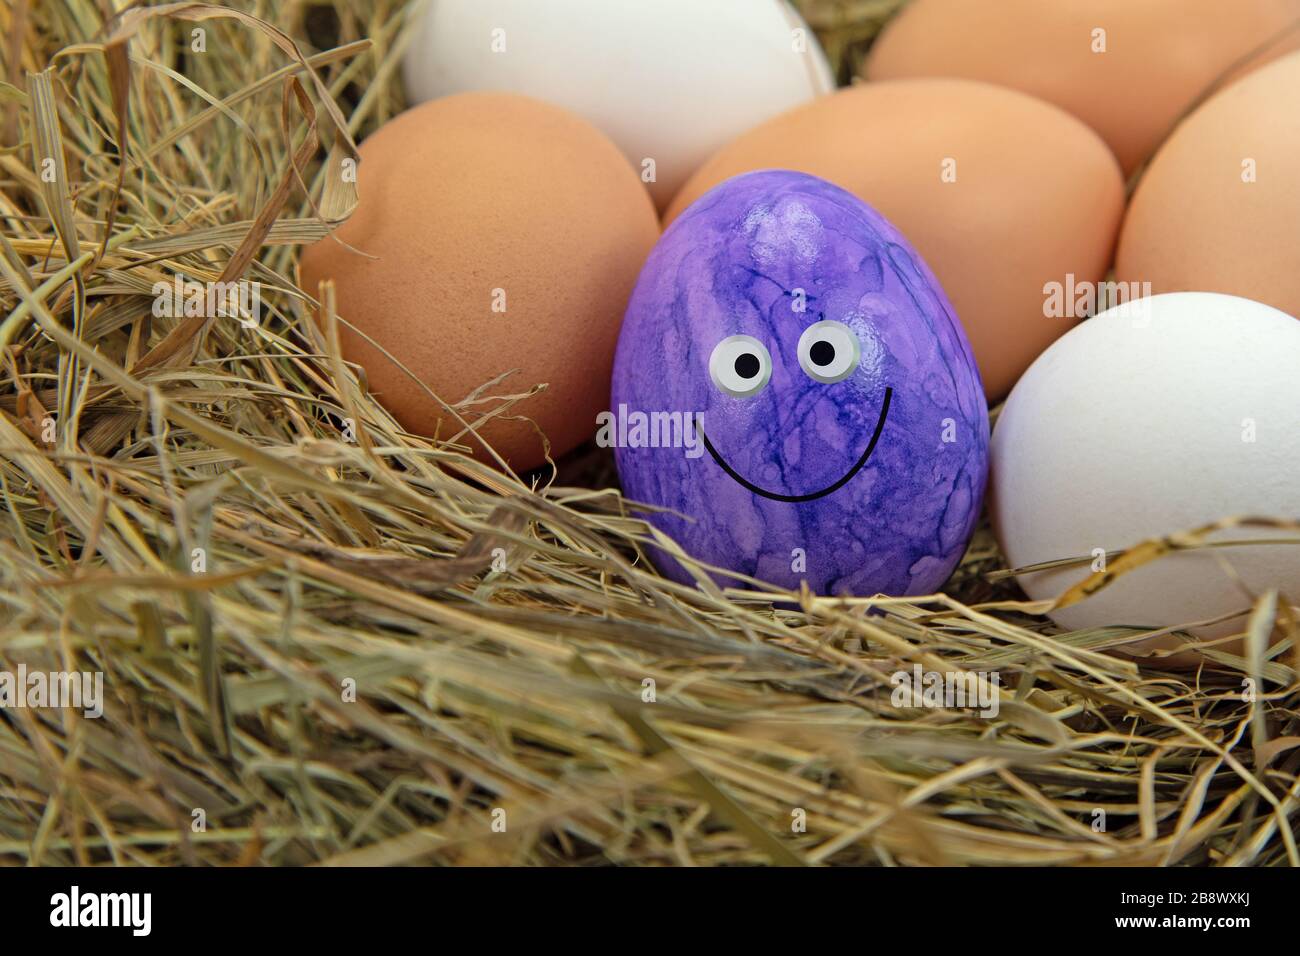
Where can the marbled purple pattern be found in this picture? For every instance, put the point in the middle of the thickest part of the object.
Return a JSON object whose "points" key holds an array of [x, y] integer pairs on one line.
{"points": [[730, 265]]}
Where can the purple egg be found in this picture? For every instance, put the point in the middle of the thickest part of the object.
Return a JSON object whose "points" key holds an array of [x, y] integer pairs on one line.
{"points": [[792, 380]]}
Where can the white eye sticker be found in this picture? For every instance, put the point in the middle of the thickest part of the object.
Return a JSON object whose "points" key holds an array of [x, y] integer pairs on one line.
{"points": [[740, 365], [829, 351]]}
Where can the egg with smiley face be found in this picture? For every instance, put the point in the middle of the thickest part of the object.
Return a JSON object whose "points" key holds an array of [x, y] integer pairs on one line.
{"points": [[792, 389]]}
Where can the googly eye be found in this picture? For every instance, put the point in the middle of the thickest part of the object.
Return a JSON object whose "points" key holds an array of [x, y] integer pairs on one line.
{"points": [[740, 365], [829, 351]]}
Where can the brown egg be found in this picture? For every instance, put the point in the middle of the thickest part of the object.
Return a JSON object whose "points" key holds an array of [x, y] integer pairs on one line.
{"points": [[1218, 210], [1001, 193], [1158, 54], [506, 234]]}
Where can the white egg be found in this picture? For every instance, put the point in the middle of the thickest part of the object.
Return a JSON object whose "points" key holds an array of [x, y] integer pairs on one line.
{"points": [[1149, 419], [669, 81]]}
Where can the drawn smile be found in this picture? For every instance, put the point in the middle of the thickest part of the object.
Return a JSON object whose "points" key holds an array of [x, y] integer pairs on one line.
{"points": [[775, 496]]}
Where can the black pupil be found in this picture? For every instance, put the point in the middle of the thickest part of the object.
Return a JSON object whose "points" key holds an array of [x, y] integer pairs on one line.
{"points": [[822, 353], [747, 365]]}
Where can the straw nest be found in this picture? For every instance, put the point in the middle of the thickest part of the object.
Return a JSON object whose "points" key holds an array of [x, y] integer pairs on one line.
{"points": [[184, 513]]}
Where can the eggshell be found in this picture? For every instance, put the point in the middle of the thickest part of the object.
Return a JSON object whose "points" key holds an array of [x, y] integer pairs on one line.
{"points": [[1153, 418], [1037, 197], [670, 80], [469, 195], [1219, 207], [770, 255], [1160, 55]]}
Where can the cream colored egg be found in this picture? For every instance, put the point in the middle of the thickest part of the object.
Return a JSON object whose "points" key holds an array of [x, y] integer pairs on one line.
{"points": [[1151, 419], [669, 81]]}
